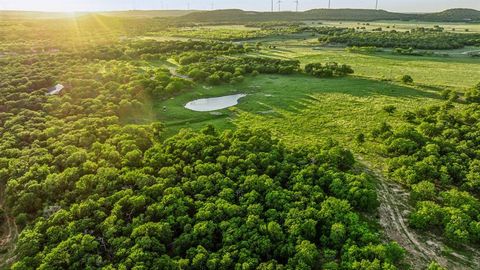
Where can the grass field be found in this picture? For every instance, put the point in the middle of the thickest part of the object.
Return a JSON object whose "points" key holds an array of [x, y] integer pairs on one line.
{"points": [[299, 109]]}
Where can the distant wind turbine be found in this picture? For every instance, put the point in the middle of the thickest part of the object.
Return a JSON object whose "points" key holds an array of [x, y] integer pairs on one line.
{"points": [[279, 5], [272, 6], [329, 4], [296, 5], [376, 5]]}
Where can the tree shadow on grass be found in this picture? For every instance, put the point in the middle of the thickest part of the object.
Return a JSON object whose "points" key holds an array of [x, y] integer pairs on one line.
{"points": [[296, 92]]}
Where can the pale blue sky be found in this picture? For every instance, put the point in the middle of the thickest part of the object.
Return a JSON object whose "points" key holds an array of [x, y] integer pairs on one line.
{"points": [[97, 5]]}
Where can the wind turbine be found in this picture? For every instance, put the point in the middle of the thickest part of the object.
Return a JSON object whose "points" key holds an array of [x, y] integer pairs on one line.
{"points": [[329, 4], [279, 5], [296, 5], [272, 6], [376, 5]]}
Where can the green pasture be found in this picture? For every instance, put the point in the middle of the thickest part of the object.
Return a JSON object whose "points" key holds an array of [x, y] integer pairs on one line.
{"points": [[298, 108]]}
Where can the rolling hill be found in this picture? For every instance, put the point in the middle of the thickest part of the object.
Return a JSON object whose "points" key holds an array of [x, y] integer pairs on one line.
{"points": [[453, 15], [236, 15]]}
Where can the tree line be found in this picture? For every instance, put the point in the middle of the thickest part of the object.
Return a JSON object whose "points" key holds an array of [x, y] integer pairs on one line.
{"points": [[420, 38]]}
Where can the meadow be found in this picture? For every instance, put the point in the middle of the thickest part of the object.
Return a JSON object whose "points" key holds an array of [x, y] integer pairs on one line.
{"points": [[299, 109]]}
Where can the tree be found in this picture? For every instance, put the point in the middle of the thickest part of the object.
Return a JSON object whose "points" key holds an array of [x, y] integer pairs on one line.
{"points": [[360, 138], [306, 256], [407, 79], [423, 191]]}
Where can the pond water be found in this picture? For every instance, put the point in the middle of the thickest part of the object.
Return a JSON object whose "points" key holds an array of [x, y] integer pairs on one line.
{"points": [[214, 104]]}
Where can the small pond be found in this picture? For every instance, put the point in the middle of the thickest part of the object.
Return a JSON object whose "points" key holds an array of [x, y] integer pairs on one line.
{"points": [[214, 104]]}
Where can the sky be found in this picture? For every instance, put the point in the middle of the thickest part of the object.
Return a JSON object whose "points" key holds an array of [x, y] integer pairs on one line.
{"points": [[261, 5]]}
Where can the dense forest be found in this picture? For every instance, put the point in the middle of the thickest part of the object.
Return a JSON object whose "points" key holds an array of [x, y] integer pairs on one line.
{"points": [[198, 200], [202, 200]]}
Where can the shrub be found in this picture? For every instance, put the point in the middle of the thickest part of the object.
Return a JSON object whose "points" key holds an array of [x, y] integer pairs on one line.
{"points": [[360, 138], [406, 79], [390, 109]]}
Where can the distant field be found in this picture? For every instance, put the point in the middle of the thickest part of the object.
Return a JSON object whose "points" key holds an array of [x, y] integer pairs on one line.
{"points": [[458, 73], [406, 25]]}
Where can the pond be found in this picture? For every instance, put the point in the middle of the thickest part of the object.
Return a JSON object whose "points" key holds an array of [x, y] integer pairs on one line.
{"points": [[214, 104]]}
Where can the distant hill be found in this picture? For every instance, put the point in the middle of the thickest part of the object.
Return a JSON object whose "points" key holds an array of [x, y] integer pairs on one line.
{"points": [[236, 15], [453, 15], [240, 16]]}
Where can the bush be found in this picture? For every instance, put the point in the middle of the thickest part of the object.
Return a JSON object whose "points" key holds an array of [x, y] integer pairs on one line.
{"points": [[406, 79], [390, 109], [435, 266], [423, 191], [360, 138]]}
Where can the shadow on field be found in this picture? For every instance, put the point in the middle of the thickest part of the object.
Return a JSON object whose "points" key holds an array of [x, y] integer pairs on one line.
{"points": [[295, 92]]}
